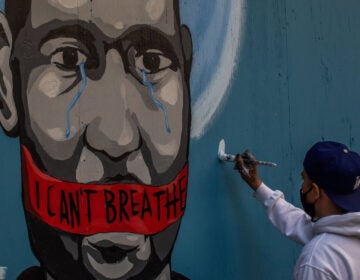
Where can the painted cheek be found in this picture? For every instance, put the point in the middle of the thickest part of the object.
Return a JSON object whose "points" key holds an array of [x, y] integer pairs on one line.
{"points": [[156, 101], [56, 133], [169, 149], [47, 97], [166, 146], [49, 85], [75, 99], [170, 92], [171, 95]]}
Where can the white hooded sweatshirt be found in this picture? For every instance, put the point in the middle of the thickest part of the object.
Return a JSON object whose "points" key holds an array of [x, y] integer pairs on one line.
{"points": [[332, 244]]}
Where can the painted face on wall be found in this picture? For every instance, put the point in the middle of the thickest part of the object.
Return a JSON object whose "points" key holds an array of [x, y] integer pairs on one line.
{"points": [[104, 99]]}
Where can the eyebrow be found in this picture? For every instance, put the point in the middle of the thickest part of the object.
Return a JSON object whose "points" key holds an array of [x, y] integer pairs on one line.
{"points": [[68, 31], [146, 34], [145, 37], [80, 30], [141, 34]]}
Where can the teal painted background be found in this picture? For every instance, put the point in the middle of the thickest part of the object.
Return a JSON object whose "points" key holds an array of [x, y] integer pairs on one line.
{"points": [[296, 83]]}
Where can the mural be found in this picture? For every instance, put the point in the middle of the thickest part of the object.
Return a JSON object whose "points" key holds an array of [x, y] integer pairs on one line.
{"points": [[112, 113], [98, 94]]}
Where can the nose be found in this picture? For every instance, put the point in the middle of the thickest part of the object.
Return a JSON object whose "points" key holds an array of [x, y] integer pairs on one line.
{"points": [[111, 123]]}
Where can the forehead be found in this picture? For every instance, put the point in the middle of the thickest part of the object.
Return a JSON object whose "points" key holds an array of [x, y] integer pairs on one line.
{"points": [[111, 16]]}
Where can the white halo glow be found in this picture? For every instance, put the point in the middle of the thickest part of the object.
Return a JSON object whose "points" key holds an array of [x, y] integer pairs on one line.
{"points": [[208, 104]]}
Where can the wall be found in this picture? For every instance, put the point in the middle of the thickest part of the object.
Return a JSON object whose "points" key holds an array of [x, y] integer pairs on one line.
{"points": [[295, 83]]}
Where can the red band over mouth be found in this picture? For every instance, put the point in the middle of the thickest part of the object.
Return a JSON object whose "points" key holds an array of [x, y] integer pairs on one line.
{"points": [[94, 208]]}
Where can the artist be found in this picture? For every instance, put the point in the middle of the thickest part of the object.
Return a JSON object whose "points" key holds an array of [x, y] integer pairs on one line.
{"points": [[328, 227], [98, 94]]}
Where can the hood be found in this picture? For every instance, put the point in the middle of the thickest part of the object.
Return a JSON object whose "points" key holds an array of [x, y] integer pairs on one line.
{"points": [[346, 225]]}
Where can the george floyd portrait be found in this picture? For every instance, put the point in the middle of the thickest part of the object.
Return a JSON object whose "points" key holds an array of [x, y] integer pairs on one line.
{"points": [[98, 95], [111, 114]]}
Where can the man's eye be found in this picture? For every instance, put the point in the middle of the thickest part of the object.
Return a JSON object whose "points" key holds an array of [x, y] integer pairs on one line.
{"points": [[68, 58], [152, 62]]}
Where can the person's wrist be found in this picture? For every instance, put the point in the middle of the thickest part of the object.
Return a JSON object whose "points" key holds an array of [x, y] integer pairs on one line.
{"points": [[255, 184]]}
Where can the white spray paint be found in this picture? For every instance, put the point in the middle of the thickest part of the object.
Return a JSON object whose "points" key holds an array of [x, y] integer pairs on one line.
{"points": [[3, 270]]}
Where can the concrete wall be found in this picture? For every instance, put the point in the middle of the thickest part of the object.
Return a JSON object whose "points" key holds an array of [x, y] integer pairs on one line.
{"points": [[295, 83]]}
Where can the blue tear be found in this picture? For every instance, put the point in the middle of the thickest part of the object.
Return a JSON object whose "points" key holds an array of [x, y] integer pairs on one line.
{"points": [[156, 101], [76, 99]]}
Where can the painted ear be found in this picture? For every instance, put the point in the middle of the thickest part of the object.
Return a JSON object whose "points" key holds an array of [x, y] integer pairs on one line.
{"points": [[187, 49], [8, 111]]}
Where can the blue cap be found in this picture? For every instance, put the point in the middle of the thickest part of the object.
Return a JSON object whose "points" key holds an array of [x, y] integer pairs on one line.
{"points": [[335, 169]]}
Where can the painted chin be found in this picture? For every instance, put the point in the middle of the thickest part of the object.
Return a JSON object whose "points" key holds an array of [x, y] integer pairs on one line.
{"points": [[115, 255]]}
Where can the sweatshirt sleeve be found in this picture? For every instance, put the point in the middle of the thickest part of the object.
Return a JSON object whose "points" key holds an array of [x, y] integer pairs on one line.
{"points": [[288, 219], [309, 272]]}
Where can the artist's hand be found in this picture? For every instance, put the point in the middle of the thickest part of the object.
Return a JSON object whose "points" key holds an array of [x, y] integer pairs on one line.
{"points": [[248, 169]]}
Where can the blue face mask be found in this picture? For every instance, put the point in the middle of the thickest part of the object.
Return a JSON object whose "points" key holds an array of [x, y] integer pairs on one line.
{"points": [[309, 208]]}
